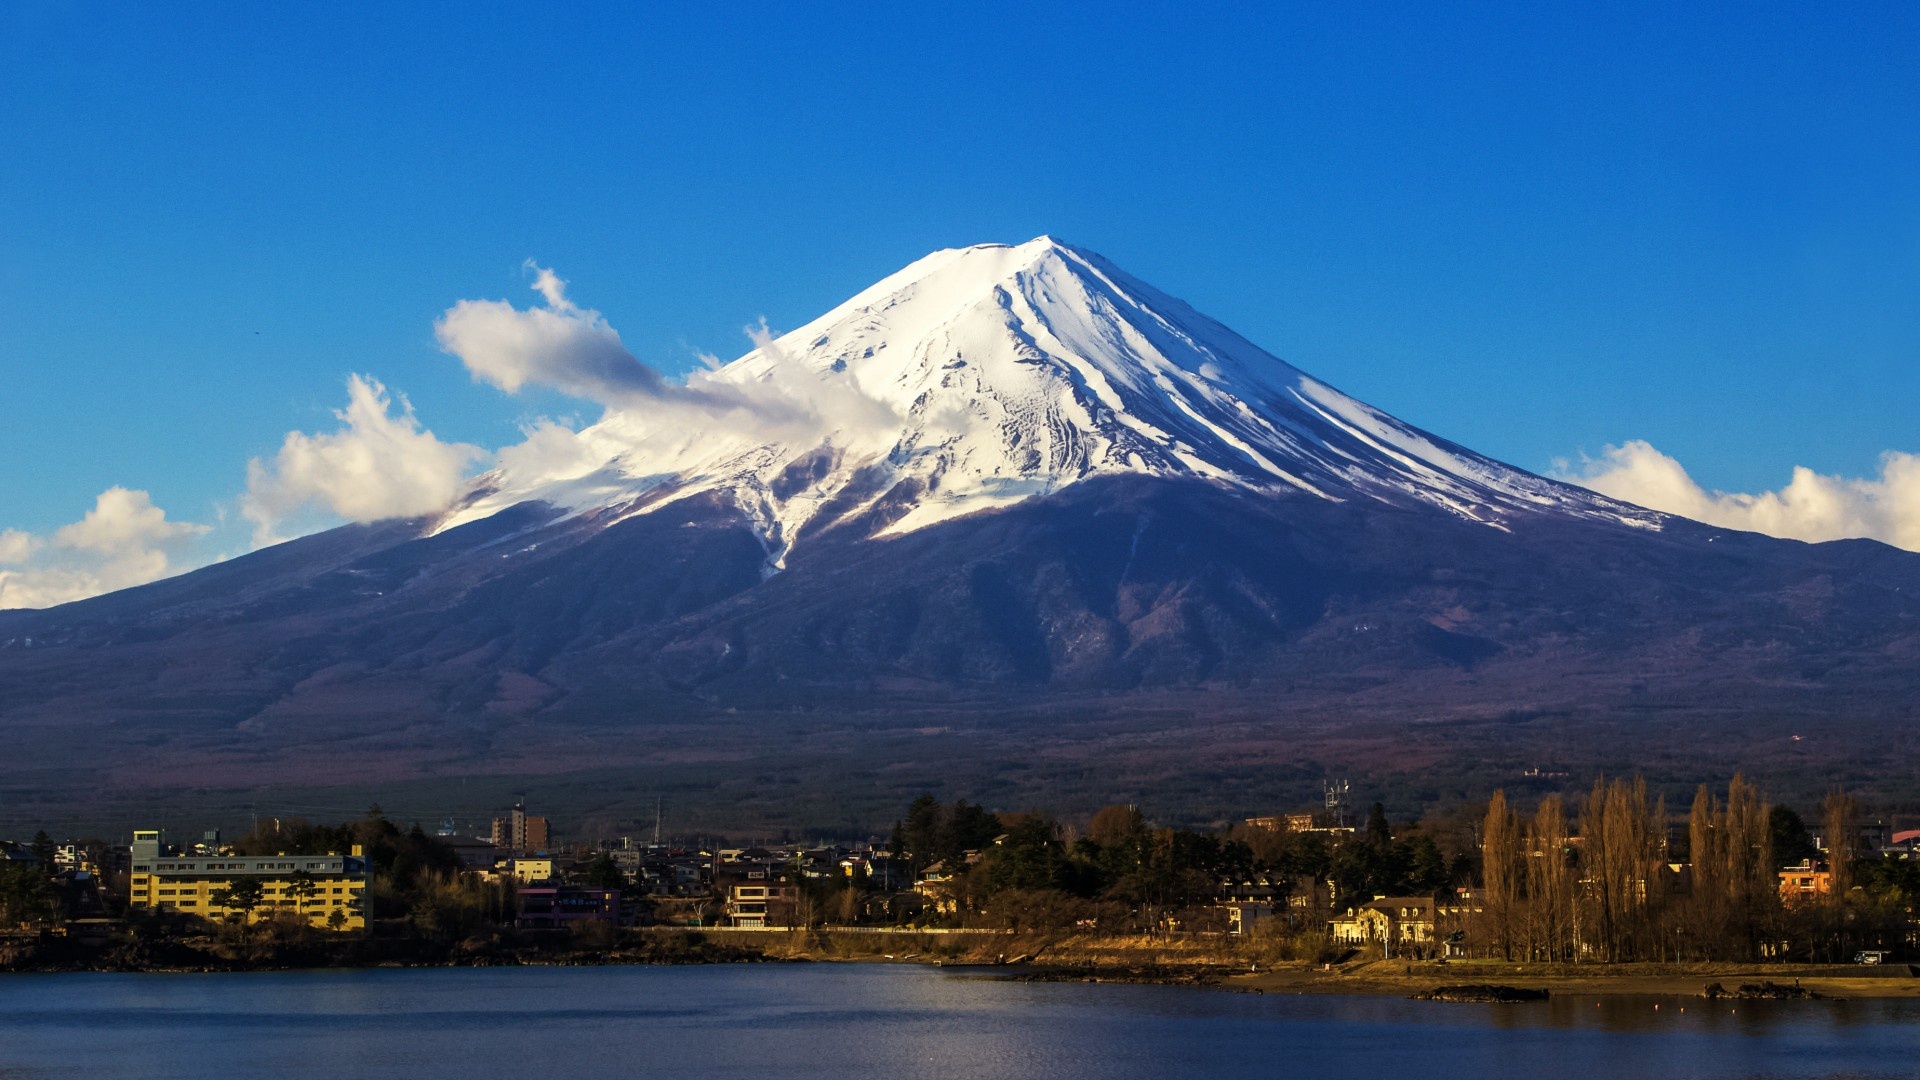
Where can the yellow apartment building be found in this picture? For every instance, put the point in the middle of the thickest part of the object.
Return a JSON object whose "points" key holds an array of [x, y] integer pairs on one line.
{"points": [[315, 886]]}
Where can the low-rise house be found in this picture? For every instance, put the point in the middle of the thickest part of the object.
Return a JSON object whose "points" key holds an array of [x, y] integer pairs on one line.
{"points": [[1257, 888], [1282, 822], [888, 872], [529, 871], [1248, 901], [817, 863], [1299, 898], [942, 883], [86, 914], [1400, 925], [761, 899], [1454, 910], [556, 906], [938, 884], [1244, 915], [662, 871], [1299, 823], [72, 855], [475, 853], [1805, 883]]}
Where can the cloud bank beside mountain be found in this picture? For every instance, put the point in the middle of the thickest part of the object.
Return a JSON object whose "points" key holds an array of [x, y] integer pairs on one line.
{"points": [[380, 464], [125, 540], [1811, 507]]}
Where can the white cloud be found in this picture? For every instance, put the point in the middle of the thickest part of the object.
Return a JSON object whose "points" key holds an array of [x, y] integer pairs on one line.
{"points": [[1810, 507], [574, 350], [125, 540], [794, 405], [551, 451], [561, 345], [17, 547], [380, 465], [123, 520]]}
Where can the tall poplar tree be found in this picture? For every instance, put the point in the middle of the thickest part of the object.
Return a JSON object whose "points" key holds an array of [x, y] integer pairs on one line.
{"points": [[1550, 881], [1499, 871]]}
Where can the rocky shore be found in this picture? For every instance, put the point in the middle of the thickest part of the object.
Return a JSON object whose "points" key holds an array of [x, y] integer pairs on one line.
{"points": [[1483, 993]]}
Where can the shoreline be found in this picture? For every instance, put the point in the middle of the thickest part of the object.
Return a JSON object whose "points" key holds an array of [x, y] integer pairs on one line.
{"points": [[1036, 958]]}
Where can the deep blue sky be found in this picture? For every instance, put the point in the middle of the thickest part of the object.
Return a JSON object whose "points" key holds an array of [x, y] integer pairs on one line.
{"points": [[1535, 230]]}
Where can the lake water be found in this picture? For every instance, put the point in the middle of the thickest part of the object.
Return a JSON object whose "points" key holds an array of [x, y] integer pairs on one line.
{"points": [[828, 1020]]}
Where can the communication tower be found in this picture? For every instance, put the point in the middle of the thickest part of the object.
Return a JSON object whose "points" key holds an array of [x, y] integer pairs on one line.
{"points": [[1336, 808]]}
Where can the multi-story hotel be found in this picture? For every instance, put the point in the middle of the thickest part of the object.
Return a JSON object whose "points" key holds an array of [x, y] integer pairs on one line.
{"points": [[315, 886]]}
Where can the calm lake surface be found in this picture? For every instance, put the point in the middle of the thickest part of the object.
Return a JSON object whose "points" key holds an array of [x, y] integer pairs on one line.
{"points": [[838, 1020]]}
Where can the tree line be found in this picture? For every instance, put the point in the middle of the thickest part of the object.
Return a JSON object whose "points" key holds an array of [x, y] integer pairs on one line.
{"points": [[1617, 884], [1120, 871]]}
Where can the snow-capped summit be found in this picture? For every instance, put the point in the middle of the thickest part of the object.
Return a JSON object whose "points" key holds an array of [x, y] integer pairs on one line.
{"points": [[978, 377]]}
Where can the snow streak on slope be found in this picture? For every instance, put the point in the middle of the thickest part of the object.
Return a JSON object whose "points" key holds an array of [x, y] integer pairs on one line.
{"points": [[981, 376]]}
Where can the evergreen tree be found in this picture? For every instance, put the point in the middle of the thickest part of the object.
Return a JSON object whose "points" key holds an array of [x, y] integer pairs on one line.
{"points": [[1792, 843], [604, 873]]}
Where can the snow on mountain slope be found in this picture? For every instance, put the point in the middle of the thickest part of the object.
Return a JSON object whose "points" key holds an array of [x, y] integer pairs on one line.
{"points": [[978, 377]]}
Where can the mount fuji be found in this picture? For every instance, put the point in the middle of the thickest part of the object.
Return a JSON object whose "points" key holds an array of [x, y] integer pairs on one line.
{"points": [[1009, 513]]}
